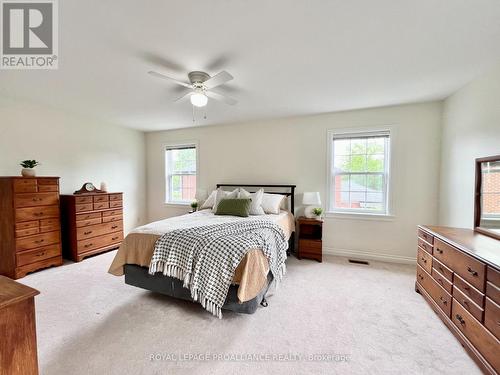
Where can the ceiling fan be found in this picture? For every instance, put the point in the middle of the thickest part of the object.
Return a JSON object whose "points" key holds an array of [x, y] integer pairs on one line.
{"points": [[199, 87]]}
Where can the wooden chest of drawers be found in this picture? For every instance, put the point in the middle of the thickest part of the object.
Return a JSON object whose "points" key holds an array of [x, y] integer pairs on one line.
{"points": [[30, 228], [458, 273], [92, 223]]}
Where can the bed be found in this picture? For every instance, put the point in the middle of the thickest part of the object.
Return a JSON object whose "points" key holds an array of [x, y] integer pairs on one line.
{"points": [[252, 277]]}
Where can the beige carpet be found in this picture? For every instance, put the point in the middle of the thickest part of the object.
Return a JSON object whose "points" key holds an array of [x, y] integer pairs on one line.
{"points": [[90, 322]]}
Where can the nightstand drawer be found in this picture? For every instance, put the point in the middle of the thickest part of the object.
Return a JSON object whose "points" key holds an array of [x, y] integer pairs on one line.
{"points": [[310, 246]]}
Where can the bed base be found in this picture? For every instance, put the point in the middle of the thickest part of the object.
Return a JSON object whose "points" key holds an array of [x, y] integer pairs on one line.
{"points": [[138, 276]]}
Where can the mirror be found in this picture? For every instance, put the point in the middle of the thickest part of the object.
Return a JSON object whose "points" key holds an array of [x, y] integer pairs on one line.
{"points": [[487, 196]]}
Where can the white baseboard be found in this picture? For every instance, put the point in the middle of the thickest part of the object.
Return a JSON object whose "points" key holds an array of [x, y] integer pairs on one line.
{"points": [[369, 255]]}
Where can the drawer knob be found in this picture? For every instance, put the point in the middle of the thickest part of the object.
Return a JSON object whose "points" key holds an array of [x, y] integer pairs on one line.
{"points": [[424, 260], [460, 319], [40, 255], [39, 241], [440, 281], [420, 276], [88, 232], [471, 271], [114, 238], [88, 245], [114, 227], [439, 250], [445, 302]]}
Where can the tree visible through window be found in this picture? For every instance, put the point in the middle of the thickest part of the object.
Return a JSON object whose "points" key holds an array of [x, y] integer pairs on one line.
{"points": [[180, 163], [360, 173]]}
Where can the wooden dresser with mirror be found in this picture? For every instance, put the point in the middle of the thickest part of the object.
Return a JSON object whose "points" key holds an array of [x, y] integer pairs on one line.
{"points": [[458, 271], [92, 223]]}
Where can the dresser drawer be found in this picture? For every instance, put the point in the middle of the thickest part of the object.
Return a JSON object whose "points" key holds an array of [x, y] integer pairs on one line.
{"points": [[24, 185], [112, 213], [27, 232], [86, 223], [468, 304], [493, 276], [426, 236], [84, 207], [48, 181], [492, 317], [34, 213], [27, 224], [45, 188], [493, 292], [101, 198], [98, 242], [107, 219], [36, 199], [115, 197], [37, 241], [467, 267], [48, 222], [101, 205], [50, 228], [437, 293], [424, 259], [469, 290], [485, 342], [424, 245], [443, 281], [98, 230], [83, 199], [113, 204], [90, 215], [36, 255], [442, 269]]}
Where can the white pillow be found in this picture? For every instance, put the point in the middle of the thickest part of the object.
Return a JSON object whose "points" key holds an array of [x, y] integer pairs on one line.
{"points": [[271, 203], [222, 194], [256, 205], [210, 201]]}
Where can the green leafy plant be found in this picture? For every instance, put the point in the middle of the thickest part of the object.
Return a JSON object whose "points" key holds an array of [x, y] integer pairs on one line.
{"points": [[29, 163], [317, 211], [194, 205]]}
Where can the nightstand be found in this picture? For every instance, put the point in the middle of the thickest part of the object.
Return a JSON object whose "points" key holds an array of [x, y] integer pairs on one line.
{"points": [[310, 232]]}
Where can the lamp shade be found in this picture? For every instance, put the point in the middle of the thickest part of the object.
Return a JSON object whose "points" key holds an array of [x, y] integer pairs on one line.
{"points": [[311, 198]]}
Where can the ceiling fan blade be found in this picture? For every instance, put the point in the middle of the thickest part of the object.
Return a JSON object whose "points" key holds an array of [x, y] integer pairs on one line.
{"points": [[218, 80], [185, 95], [220, 97], [158, 75]]}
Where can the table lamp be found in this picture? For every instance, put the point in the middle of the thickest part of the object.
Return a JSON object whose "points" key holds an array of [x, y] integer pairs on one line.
{"points": [[311, 200]]}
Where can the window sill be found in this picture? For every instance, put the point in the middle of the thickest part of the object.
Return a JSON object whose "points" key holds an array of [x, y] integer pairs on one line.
{"points": [[177, 204], [359, 216]]}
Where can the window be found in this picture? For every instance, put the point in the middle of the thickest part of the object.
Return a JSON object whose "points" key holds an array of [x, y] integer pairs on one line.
{"points": [[180, 168], [359, 172]]}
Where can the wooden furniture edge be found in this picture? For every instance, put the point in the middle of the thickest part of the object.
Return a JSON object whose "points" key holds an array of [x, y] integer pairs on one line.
{"points": [[459, 246], [28, 292], [464, 341]]}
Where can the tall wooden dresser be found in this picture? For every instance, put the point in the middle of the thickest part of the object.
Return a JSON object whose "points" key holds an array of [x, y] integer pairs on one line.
{"points": [[30, 230], [458, 273], [92, 223]]}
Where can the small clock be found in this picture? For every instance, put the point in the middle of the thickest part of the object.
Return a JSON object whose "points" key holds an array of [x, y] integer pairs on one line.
{"points": [[88, 187]]}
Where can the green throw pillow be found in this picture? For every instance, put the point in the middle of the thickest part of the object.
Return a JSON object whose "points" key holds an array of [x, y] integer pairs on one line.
{"points": [[234, 207]]}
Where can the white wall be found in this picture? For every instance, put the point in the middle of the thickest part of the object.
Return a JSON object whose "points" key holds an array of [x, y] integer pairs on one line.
{"points": [[77, 150], [294, 151], [471, 129]]}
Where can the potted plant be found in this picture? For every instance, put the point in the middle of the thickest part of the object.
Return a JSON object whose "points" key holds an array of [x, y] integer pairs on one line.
{"points": [[28, 168], [317, 212], [194, 205]]}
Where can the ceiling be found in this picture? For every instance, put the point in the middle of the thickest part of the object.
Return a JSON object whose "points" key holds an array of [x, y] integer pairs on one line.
{"points": [[288, 57]]}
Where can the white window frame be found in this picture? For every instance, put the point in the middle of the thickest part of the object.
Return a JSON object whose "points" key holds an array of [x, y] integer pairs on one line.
{"points": [[171, 146], [388, 213]]}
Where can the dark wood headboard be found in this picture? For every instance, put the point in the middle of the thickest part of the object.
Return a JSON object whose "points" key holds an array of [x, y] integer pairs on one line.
{"points": [[289, 190]]}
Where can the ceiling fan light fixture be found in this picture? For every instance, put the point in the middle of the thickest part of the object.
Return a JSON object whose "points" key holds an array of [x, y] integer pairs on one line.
{"points": [[198, 99]]}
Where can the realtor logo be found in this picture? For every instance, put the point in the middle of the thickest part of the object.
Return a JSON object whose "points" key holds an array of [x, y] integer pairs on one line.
{"points": [[29, 34]]}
